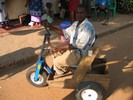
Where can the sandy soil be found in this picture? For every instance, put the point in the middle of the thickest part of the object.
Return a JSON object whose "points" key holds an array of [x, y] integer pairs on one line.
{"points": [[115, 47]]}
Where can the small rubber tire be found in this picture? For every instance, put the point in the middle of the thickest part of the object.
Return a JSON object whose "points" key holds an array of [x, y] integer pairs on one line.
{"points": [[90, 91], [41, 82]]}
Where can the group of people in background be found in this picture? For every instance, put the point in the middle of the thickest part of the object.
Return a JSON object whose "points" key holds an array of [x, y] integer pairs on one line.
{"points": [[70, 6], [41, 10]]}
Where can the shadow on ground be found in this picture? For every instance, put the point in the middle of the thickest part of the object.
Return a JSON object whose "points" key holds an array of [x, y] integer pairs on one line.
{"points": [[24, 32], [71, 96]]}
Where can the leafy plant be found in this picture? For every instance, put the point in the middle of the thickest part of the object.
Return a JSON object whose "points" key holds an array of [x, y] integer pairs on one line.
{"points": [[125, 6]]}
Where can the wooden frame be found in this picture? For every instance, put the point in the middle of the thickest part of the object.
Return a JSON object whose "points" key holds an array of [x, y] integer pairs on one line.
{"points": [[72, 81]]}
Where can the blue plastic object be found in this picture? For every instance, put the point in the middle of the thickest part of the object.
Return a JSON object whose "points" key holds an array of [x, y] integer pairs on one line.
{"points": [[65, 24]]}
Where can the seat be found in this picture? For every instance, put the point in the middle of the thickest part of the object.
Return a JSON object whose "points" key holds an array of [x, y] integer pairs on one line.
{"points": [[112, 8]]}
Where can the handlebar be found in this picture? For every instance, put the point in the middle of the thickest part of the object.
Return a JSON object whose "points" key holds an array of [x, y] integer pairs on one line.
{"points": [[44, 24], [47, 35]]}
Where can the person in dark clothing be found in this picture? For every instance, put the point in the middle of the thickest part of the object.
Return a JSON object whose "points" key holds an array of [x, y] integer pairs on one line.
{"points": [[87, 4], [63, 8]]}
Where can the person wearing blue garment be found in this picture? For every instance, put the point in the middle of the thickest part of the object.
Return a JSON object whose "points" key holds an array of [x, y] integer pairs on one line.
{"points": [[102, 6], [36, 9]]}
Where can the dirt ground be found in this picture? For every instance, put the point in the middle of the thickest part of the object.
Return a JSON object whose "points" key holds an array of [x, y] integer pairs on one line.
{"points": [[115, 47], [118, 47]]}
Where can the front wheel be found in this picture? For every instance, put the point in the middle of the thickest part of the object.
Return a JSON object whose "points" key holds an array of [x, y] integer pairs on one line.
{"points": [[90, 91], [42, 78]]}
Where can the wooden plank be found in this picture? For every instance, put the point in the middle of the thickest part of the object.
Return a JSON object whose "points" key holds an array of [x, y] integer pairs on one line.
{"points": [[83, 67]]}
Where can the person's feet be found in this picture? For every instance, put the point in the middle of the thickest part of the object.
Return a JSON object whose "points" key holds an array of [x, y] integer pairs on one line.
{"points": [[31, 23], [38, 24]]}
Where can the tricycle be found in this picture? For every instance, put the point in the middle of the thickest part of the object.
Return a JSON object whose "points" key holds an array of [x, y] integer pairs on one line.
{"points": [[90, 78]]}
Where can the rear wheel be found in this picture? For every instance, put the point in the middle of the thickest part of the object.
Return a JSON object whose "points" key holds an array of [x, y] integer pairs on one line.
{"points": [[90, 91], [42, 78]]}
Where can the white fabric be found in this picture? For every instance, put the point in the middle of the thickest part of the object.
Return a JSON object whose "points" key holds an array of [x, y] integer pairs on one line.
{"points": [[3, 14], [85, 32]]}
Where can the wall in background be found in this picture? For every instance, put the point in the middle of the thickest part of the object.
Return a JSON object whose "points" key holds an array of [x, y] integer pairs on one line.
{"points": [[15, 8]]}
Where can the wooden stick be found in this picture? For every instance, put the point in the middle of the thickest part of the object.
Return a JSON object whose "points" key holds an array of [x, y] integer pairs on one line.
{"points": [[83, 67]]}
